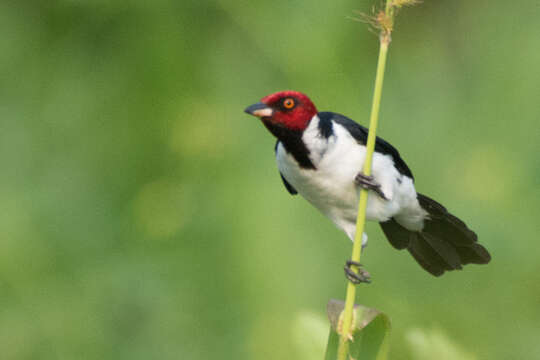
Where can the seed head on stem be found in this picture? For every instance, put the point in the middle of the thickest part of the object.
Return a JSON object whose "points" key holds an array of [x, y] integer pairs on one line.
{"points": [[381, 21]]}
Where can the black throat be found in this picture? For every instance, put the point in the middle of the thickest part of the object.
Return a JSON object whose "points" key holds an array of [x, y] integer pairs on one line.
{"points": [[292, 142]]}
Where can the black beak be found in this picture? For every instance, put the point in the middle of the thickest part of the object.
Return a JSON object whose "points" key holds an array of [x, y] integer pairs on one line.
{"points": [[259, 109]]}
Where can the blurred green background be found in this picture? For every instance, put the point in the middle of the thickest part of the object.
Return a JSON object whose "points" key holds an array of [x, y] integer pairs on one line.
{"points": [[142, 215]]}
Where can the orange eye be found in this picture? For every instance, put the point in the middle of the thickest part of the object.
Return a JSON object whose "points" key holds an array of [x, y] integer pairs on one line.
{"points": [[288, 103]]}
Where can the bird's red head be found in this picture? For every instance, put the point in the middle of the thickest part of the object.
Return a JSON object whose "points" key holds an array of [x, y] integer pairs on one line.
{"points": [[291, 110]]}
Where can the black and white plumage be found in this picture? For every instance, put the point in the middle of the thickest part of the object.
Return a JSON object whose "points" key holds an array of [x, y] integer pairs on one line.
{"points": [[319, 155]]}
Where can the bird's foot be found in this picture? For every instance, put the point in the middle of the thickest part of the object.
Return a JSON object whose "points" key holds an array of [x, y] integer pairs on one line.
{"points": [[362, 276], [368, 182]]}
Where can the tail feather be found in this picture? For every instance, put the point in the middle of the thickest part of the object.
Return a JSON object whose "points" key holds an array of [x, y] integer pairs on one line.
{"points": [[444, 244], [445, 225], [394, 233], [445, 251], [423, 256], [475, 254]]}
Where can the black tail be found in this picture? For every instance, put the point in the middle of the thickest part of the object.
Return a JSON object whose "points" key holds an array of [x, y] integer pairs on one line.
{"points": [[444, 244]]}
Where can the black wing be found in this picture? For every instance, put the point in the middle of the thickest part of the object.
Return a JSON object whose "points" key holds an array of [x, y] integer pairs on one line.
{"points": [[360, 133], [288, 186]]}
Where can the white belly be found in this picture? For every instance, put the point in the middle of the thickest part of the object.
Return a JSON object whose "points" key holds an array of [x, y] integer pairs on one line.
{"points": [[331, 187]]}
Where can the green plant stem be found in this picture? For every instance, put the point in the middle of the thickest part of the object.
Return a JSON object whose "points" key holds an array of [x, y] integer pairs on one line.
{"points": [[361, 219]]}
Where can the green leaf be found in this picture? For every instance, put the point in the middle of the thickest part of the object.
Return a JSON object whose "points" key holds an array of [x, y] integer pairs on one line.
{"points": [[370, 335]]}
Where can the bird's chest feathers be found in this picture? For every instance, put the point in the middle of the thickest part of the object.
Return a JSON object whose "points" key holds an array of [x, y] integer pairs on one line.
{"points": [[337, 159]]}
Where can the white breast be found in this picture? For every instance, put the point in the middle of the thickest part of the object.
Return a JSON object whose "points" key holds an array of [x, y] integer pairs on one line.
{"points": [[331, 187]]}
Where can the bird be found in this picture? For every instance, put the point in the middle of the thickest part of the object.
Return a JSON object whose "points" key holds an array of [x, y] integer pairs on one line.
{"points": [[320, 155]]}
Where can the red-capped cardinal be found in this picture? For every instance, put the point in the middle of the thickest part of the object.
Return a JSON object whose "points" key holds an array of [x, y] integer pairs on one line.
{"points": [[320, 155]]}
